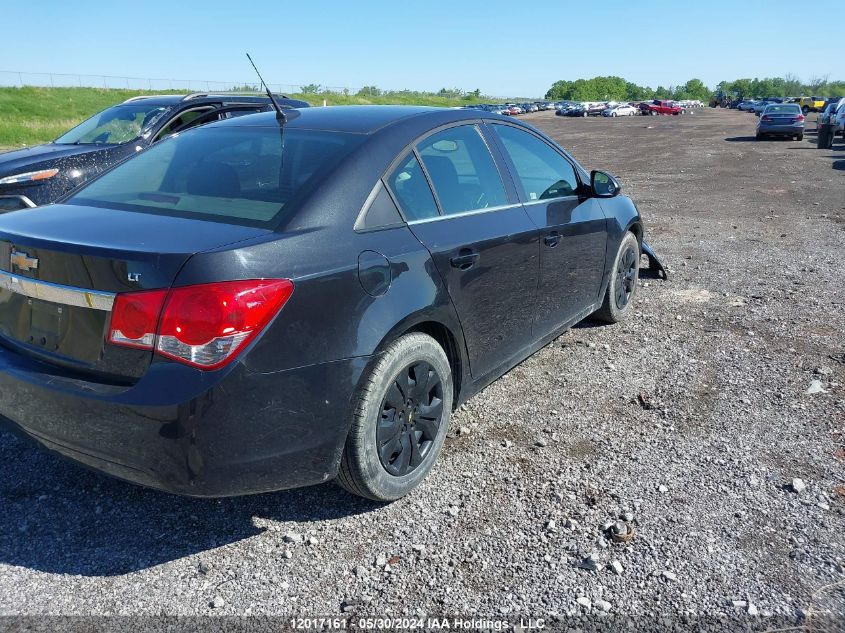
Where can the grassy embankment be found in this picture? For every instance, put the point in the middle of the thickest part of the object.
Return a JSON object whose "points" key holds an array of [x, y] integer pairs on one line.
{"points": [[29, 116]]}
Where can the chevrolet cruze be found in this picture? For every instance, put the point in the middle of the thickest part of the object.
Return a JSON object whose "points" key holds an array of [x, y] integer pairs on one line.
{"points": [[276, 301]]}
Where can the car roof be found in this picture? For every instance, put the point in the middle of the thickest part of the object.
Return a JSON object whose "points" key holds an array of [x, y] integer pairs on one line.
{"points": [[360, 119]]}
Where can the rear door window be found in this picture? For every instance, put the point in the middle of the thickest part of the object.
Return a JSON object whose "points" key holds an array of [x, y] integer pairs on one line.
{"points": [[462, 170], [408, 183]]}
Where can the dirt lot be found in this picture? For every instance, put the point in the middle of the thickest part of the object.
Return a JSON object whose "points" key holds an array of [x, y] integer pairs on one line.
{"points": [[689, 423]]}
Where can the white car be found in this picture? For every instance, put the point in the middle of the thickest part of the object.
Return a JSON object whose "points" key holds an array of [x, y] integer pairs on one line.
{"points": [[620, 110]]}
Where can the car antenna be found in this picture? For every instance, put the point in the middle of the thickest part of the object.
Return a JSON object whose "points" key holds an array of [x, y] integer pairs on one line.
{"points": [[279, 114]]}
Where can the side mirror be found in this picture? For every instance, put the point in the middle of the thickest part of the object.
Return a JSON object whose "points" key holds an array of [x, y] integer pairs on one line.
{"points": [[604, 185]]}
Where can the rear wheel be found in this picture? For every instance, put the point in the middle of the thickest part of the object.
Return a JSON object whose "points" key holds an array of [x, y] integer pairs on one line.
{"points": [[805, 110], [400, 421], [824, 138], [619, 298], [759, 136], [800, 137]]}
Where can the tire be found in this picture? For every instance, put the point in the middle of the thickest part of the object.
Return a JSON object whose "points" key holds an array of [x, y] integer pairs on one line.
{"points": [[800, 137], [759, 137], [363, 470], [824, 138], [805, 110], [618, 299]]}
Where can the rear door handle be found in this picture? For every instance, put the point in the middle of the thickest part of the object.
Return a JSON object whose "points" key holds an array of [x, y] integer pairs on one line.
{"points": [[552, 239], [464, 260]]}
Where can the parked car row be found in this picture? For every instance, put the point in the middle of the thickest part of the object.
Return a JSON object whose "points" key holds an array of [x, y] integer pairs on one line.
{"points": [[614, 109], [511, 109], [806, 104]]}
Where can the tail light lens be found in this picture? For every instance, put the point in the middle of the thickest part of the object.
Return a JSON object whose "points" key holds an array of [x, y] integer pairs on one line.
{"points": [[203, 326], [766, 117], [134, 318], [800, 117]]}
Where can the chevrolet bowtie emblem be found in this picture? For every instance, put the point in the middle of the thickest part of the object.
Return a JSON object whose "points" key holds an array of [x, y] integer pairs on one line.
{"points": [[23, 261]]}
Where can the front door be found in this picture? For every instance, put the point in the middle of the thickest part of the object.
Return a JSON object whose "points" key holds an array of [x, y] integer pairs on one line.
{"points": [[573, 229], [482, 243]]}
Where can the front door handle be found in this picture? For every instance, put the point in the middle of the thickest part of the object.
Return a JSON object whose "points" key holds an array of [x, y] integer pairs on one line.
{"points": [[552, 239], [464, 260]]}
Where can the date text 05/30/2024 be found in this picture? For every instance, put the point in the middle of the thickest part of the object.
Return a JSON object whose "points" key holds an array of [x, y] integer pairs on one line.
{"points": [[411, 624]]}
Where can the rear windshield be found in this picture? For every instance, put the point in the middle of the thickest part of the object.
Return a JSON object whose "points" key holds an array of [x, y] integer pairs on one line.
{"points": [[784, 108], [239, 175]]}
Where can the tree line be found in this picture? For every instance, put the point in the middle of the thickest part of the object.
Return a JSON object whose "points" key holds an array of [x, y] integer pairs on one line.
{"points": [[618, 89]]}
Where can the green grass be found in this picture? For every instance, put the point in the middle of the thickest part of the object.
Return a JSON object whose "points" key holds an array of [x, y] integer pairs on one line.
{"points": [[29, 116]]}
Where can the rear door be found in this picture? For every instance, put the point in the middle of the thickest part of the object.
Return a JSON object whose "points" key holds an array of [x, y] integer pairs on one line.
{"points": [[573, 228], [483, 244]]}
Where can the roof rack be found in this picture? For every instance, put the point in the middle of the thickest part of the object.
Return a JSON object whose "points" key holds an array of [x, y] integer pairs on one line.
{"points": [[139, 97], [199, 95]]}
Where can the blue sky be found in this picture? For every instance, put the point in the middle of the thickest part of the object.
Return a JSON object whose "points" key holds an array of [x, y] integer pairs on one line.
{"points": [[503, 48]]}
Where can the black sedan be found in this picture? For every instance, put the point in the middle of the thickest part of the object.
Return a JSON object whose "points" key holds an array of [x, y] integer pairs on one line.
{"points": [[39, 175], [587, 109], [266, 302]]}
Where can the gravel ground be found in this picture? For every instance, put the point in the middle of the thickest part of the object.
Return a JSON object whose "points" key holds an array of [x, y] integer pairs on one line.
{"points": [[708, 430]]}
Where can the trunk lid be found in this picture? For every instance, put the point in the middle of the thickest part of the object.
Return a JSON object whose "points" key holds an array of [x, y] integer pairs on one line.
{"points": [[61, 265]]}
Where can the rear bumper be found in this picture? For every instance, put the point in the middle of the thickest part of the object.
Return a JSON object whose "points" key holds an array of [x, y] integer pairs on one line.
{"points": [[189, 432], [787, 130]]}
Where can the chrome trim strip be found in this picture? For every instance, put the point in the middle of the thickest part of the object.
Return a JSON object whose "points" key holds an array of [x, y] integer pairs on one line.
{"points": [[56, 293], [23, 199], [437, 218], [548, 200]]}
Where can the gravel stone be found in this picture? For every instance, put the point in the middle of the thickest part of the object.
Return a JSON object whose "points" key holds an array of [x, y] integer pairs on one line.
{"points": [[815, 387], [728, 525], [798, 485]]}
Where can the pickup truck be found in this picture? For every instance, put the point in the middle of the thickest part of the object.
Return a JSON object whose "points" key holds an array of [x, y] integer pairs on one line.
{"points": [[659, 106], [811, 104]]}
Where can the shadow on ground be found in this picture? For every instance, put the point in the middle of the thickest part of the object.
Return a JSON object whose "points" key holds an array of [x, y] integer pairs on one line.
{"points": [[57, 517]]}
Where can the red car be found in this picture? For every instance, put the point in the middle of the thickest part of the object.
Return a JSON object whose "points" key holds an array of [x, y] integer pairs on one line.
{"points": [[659, 106]]}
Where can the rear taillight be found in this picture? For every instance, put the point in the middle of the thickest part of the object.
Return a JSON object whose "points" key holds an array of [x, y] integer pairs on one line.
{"points": [[134, 318], [765, 117], [800, 117], [204, 326]]}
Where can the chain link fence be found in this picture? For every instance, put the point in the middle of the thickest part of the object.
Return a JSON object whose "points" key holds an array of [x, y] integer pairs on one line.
{"points": [[63, 80]]}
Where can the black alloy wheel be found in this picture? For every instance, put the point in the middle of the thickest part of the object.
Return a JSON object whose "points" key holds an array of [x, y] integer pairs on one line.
{"points": [[411, 415], [626, 277]]}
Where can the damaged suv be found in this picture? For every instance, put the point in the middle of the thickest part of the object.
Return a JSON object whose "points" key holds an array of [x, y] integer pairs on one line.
{"points": [[39, 175]]}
